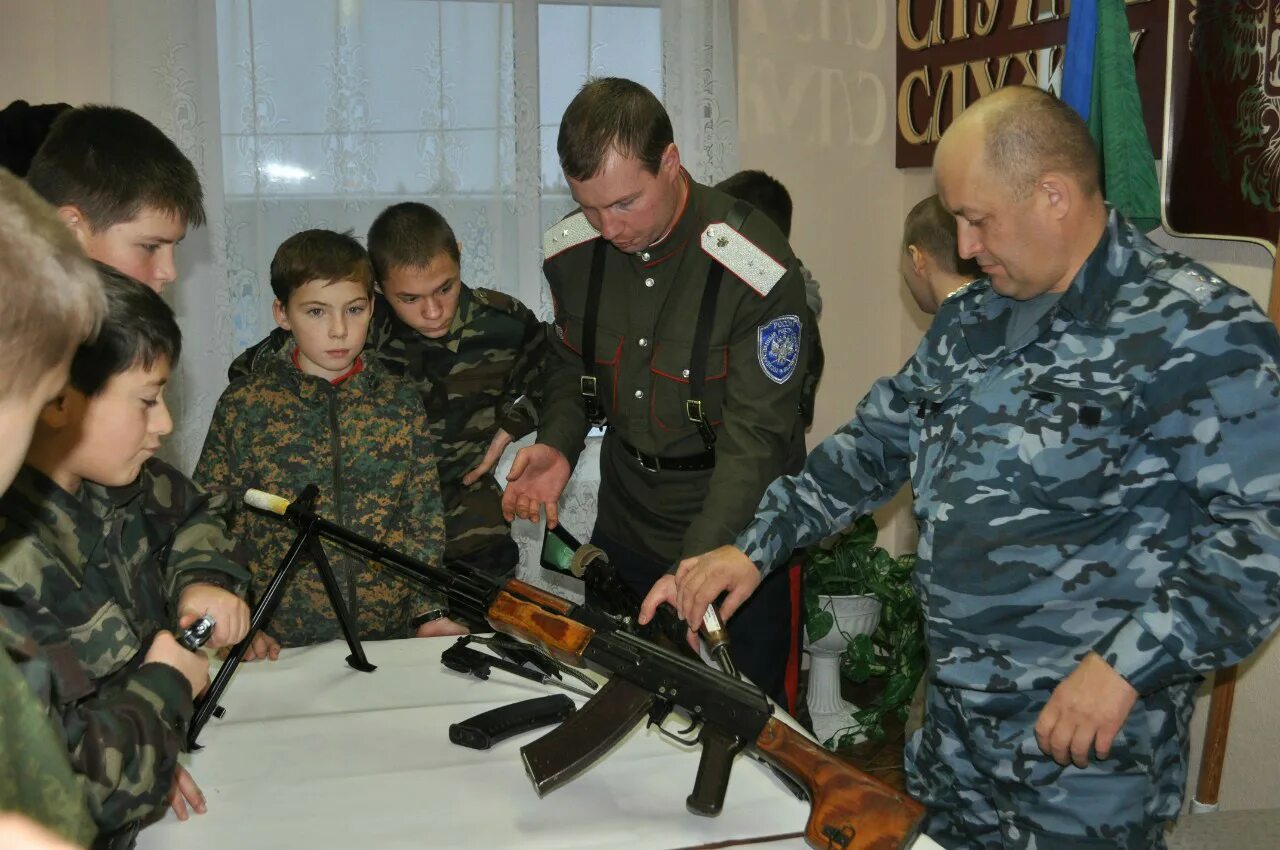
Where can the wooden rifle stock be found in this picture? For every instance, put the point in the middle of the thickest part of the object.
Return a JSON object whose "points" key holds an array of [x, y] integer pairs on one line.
{"points": [[849, 809]]}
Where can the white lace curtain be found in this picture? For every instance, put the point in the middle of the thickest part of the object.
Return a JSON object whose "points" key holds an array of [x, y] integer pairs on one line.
{"points": [[319, 113]]}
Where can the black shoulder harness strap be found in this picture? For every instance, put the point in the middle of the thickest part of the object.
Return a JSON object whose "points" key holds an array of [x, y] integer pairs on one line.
{"points": [[702, 334], [587, 383]]}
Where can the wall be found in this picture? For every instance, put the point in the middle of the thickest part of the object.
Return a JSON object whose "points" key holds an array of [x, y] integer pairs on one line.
{"points": [[816, 94], [76, 32]]}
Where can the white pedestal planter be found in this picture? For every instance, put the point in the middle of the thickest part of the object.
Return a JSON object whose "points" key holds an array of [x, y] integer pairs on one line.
{"points": [[854, 615]]}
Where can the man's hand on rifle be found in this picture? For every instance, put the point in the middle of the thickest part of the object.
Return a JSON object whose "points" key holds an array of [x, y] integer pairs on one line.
{"points": [[664, 590], [538, 476], [700, 581]]}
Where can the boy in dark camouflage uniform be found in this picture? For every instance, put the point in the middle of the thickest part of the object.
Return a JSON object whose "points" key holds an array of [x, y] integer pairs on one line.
{"points": [[318, 412], [104, 549], [474, 355], [53, 301]]}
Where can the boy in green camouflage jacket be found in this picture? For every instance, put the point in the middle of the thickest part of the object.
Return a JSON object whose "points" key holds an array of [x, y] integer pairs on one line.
{"points": [[104, 550], [474, 355], [318, 412]]}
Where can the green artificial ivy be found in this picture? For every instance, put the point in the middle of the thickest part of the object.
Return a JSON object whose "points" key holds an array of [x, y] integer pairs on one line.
{"points": [[853, 564]]}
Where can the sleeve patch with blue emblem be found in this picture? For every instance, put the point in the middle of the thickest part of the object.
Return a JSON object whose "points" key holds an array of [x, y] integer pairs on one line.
{"points": [[778, 347]]}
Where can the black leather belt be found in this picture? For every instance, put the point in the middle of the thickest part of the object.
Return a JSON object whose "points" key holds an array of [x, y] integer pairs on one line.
{"points": [[688, 463]]}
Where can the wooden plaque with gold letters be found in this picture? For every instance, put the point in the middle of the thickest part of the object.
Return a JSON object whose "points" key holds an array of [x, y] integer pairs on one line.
{"points": [[951, 52]]}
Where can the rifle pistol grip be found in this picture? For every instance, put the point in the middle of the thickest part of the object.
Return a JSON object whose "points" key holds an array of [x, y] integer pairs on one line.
{"points": [[718, 751]]}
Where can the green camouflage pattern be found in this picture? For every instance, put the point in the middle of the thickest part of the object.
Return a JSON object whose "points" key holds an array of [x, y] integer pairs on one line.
{"points": [[94, 577], [365, 443], [1109, 485], [484, 375], [649, 306], [35, 775]]}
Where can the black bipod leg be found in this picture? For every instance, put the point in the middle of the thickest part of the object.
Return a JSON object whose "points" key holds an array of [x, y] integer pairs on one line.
{"points": [[357, 658], [305, 541], [207, 705]]}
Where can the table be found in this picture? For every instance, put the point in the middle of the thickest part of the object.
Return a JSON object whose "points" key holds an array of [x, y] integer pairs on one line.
{"points": [[314, 754]]}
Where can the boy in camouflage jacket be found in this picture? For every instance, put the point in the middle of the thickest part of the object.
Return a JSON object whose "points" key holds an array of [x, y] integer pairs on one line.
{"points": [[318, 412], [103, 550], [53, 302], [474, 355]]}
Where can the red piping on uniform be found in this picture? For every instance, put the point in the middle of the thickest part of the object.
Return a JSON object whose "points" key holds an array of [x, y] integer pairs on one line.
{"points": [[719, 376]]}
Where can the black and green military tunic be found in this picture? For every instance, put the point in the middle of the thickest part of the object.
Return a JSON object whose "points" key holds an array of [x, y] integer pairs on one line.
{"points": [[648, 310]]}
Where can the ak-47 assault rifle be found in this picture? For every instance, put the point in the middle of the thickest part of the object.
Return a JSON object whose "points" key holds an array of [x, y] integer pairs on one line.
{"points": [[850, 810]]}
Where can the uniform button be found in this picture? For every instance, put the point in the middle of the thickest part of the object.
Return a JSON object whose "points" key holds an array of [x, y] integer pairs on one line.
{"points": [[639, 393], [645, 256], [648, 281], [644, 343], [685, 373]]}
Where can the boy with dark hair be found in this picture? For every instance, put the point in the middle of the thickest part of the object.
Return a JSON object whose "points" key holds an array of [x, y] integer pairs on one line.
{"points": [[764, 192], [316, 411], [122, 186], [104, 549], [931, 265], [53, 302], [475, 357]]}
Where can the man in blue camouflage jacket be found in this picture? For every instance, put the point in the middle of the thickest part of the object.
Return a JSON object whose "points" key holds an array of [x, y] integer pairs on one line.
{"points": [[1089, 432]]}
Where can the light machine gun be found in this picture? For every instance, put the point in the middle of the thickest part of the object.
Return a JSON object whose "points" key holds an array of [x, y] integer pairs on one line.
{"points": [[849, 810]]}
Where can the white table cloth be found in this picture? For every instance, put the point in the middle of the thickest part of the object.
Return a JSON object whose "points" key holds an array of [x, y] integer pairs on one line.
{"points": [[312, 754]]}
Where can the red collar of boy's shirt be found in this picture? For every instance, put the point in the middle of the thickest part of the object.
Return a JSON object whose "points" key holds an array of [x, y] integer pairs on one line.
{"points": [[356, 368]]}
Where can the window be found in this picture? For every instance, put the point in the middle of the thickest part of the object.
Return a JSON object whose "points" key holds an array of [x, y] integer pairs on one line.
{"points": [[333, 109]]}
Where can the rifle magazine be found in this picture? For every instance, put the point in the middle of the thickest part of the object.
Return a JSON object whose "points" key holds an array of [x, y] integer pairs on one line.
{"points": [[579, 742]]}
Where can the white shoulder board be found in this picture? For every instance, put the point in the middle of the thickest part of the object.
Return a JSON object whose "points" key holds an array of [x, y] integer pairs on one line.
{"points": [[743, 257], [569, 233]]}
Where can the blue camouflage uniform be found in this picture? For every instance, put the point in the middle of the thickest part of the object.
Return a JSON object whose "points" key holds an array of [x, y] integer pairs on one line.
{"points": [[1108, 484]]}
